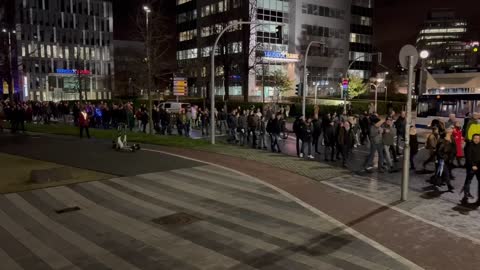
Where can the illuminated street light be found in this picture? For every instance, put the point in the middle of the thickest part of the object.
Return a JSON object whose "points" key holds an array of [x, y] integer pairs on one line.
{"points": [[424, 54]]}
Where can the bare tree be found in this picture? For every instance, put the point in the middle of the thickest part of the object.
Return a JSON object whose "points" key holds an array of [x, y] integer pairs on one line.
{"points": [[157, 38]]}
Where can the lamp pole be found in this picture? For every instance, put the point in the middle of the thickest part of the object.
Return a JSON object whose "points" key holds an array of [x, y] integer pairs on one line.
{"points": [[305, 77], [149, 71], [423, 55], [10, 83], [346, 75], [212, 70]]}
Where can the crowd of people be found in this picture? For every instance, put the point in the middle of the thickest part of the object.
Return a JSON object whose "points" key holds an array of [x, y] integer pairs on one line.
{"points": [[262, 128]]}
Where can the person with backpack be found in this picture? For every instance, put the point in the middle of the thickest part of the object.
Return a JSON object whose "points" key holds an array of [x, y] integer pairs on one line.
{"points": [[376, 144], [430, 146]]}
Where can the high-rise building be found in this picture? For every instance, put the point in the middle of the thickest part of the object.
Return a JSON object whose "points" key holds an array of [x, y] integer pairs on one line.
{"points": [[61, 48], [248, 56], [449, 41]]}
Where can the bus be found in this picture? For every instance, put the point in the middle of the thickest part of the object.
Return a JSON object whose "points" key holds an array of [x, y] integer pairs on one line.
{"points": [[443, 102]]}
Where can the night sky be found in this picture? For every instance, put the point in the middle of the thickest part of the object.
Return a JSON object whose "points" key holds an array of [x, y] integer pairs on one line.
{"points": [[397, 22]]}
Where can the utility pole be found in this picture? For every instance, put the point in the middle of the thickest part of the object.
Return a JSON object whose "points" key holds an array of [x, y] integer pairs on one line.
{"points": [[149, 67]]}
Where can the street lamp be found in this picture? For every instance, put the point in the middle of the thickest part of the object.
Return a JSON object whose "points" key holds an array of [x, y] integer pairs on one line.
{"points": [[149, 69], [10, 83], [378, 81], [424, 54], [305, 74]]}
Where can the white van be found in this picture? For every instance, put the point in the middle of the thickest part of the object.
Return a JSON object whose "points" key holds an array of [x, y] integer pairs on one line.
{"points": [[174, 107]]}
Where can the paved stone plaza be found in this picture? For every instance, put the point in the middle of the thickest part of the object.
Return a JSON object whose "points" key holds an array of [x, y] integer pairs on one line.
{"points": [[195, 218]]}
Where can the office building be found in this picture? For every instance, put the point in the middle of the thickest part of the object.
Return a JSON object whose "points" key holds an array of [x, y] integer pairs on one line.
{"points": [[449, 40], [254, 53], [61, 48]]}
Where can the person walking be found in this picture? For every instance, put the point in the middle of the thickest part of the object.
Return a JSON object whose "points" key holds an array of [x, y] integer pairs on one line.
{"points": [[388, 138], [317, 131], [262, 132], [445, 151], [451, 121], [430, 146], [297, 131], [376, 145], [84, 122], [345, 141], [400, 125], [472, 165], [232, 122], [364, 125], [274, 128], [458, 139], [413, 146], [306, 133], [242, 128], [252, 127], [329, 139]]}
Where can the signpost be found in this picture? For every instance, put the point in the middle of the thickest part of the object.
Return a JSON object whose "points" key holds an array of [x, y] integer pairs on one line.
{"points": [[408, 59], [180, 86]]}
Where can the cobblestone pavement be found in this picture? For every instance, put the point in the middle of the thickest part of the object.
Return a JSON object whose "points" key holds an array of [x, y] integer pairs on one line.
{"points": [[191, 218]]}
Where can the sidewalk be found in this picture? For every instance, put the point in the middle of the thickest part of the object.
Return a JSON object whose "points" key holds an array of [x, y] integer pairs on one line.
{"points": [[419, 240]]}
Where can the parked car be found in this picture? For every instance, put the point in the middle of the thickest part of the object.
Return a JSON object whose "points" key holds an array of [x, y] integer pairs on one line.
{"points": [[174, 107]]}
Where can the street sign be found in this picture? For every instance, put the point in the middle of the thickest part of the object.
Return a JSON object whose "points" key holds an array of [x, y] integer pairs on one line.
{"points": [[180, 86], [405, 52]]}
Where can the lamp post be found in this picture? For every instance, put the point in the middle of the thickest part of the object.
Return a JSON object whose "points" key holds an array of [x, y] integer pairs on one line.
{"points": [[212, 70], [347, 76], [305, 75], [378, 81], [149, 69], [423, 55], [10, 83]]}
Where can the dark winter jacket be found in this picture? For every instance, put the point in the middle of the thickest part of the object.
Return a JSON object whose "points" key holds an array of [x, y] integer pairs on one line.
{"points": [[472, 155], [306, 132], [329, 135]]}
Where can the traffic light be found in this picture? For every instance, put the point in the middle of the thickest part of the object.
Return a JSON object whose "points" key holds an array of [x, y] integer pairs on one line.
{"points": [[279, 32], [298, 89]]}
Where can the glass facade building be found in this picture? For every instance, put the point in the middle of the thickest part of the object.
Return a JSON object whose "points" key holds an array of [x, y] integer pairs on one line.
{"points": [[253, 53], [64, 46]]}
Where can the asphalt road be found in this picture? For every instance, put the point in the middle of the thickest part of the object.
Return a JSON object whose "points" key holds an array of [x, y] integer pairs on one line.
{"points": [[96, 155]]}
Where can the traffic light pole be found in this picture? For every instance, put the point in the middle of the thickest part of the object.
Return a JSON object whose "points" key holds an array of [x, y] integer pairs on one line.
{"points": [[212, 70], [305, 77]]}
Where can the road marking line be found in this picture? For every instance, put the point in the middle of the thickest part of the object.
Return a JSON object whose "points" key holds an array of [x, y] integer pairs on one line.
{"points": [[351, 231], [459, 234]]}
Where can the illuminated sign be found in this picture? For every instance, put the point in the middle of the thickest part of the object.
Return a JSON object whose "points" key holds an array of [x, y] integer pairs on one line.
{"points": [[73, 71], [180, 86], [280, 55]]}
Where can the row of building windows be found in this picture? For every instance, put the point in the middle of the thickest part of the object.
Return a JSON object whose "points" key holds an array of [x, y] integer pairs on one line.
{"points": [[359, 38], [187, 35], [279, 5], [361, 20], [316, 10], [187, 16], [363, 3], [214, 8], [217, 28], [91, 8], [64, 20], [232, 48], [180, 2], [67, 37], [320, 31], [56, 51], [325, 52], [187, 54], [360, 56]]}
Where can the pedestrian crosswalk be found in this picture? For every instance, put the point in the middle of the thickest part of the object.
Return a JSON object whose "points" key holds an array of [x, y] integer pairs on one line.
{"points": [[238, 224]]}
